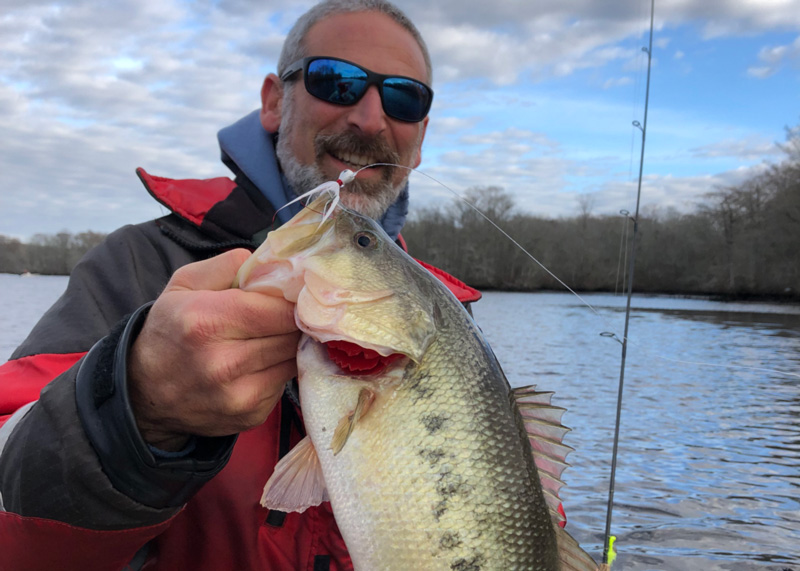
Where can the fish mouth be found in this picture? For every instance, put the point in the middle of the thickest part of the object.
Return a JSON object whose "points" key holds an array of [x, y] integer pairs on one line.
{"points": [[356, 360]]}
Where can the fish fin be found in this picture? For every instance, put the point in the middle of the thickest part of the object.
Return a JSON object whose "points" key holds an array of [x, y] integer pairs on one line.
{"points": [[545, 434], [348, 423], [570, 554], [297, 482]]}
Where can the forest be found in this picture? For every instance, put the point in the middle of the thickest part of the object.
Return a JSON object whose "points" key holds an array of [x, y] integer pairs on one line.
{"points": [[742, 241], [52, 254]]}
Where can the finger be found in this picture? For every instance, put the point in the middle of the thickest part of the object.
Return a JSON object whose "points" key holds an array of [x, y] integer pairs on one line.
{"points": [[217, 273], [244, 358], [249, 403], [259, 315], [234, 315], [271, 351]]}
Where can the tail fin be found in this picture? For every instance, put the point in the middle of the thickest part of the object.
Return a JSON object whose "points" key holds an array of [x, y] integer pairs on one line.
{"points": [[572, 557]]}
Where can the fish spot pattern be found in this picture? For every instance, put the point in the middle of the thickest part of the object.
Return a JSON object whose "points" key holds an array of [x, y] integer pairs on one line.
{"points": [[433, 422], [419, 388], [433, 456], [444, 450], [450, 540], [438, 474], [472, 564]]}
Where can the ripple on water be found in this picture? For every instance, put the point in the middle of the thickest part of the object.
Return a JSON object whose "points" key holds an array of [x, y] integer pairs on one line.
{"points": [[709, 461], [709, 464]]}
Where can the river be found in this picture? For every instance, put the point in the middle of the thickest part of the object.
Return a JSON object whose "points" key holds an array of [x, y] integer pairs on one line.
{"points": [[708, 473]]}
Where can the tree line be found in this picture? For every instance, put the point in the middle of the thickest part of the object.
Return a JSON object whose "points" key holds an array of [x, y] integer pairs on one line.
{"points": [[742, 241], [54, 254]]}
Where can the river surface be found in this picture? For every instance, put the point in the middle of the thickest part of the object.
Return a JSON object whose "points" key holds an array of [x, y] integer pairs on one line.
{"points": [[708, 472]]}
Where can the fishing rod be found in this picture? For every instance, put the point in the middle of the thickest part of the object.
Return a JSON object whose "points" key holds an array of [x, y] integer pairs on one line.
{"points": [[643, 128]]}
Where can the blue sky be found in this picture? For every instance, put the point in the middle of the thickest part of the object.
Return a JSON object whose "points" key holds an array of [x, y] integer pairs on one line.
{"points": [[535, 97]]}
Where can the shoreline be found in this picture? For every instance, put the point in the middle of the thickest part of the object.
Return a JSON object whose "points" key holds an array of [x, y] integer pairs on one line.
{"points": [[778, 299], [791, 299]]}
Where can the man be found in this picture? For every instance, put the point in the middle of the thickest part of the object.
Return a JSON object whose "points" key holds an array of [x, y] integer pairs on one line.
{"points": [[161, 421]]}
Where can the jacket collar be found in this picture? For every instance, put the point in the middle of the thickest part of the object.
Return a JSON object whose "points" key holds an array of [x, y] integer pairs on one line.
{"points": [[250, 150]]}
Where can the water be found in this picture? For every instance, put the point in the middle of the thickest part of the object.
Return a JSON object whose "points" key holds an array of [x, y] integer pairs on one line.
{"points": [[709, 463], [23, 301], [708, 473]]}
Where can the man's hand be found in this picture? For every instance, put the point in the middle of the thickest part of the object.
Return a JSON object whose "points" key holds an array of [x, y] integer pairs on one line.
{"points": [[210, 360]]}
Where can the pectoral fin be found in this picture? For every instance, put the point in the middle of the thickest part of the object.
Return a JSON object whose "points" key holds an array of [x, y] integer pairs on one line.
{"points": [[297, 482], [348, 423]]}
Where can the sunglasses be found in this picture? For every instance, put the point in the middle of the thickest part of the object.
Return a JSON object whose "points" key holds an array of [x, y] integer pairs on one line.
{"points": [[344, 83]]}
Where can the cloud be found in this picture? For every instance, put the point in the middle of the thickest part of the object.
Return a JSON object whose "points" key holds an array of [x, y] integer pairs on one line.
{"points": [[504, 39], [772, 57], [762, 72], [91, 93], [746, 149], [617, 82], [90, 90], [452, 125], [665, 193], [543, 190]]}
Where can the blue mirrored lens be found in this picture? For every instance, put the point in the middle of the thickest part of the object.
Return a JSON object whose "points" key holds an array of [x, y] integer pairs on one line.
{"points": [[335, 81], [344, 83], [405, 99]]}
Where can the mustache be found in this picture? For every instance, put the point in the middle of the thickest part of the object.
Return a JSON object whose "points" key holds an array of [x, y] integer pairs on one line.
{"points": [[349, 142]]}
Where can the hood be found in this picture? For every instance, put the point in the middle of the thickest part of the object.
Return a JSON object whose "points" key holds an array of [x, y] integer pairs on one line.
{"points": [[248, 149]]}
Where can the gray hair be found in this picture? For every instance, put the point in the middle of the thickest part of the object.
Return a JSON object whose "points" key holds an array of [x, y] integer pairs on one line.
{"points": [[293, 48]]}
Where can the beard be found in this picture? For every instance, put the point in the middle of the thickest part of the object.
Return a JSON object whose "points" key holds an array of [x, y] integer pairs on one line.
{"points": [[370, 198]]}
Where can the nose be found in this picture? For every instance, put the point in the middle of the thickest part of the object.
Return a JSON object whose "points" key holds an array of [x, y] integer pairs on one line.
{"points": [[367, 115]]}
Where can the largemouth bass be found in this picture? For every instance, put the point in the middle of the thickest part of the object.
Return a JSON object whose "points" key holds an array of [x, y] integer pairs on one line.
{"points": [[414, 433]]}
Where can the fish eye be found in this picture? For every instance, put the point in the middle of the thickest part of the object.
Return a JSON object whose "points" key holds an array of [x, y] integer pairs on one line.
{"points": [[366, 240]]}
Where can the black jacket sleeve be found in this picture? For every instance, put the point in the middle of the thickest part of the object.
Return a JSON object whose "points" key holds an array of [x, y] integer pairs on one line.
{"points": [[77, 456]]}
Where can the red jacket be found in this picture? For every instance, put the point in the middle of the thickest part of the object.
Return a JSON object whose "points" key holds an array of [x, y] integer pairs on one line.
{"points": [[60, 480]]}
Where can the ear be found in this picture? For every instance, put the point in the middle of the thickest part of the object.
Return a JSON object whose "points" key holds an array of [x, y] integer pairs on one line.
{"points": [[424, 128], [271, 98]]}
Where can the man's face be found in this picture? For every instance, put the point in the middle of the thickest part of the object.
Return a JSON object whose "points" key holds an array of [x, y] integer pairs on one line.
{"points": [[319, 140]]}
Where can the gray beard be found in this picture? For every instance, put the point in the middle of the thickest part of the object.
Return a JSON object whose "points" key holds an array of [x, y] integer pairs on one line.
{"points": [[368, 198]]}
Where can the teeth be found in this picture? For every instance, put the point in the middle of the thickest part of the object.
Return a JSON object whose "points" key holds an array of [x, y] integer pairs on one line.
{"points": [[356, 160]]}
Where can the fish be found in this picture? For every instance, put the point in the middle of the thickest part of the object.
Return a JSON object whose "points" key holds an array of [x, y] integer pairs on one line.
{"points": [[430, 460]]}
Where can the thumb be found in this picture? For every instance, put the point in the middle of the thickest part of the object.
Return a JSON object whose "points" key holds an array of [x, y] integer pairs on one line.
{"points": [[217, 273]]}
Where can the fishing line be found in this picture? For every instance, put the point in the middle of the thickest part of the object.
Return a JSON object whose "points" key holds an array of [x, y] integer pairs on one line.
{"points": [[606, 321], [608, 553], [490, 221], [623, 246]]}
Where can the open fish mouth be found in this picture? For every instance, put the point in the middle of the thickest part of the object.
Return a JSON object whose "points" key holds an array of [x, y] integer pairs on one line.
{"points": [[356, 360]]}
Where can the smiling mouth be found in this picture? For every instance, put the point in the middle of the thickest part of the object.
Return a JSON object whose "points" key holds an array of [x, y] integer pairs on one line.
{"points": [[354, 160], [355, 151]]}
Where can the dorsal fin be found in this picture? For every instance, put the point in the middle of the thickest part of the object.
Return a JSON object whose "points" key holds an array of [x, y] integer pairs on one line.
{"points": [[545, 434]]}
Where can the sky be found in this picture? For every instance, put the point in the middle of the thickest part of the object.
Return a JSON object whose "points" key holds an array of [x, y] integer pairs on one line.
{"points": [[538, 98]]}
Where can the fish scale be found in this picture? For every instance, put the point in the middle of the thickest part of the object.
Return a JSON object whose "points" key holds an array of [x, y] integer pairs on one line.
{"points": [[428, 463], [470, 497], [475, 505]]}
